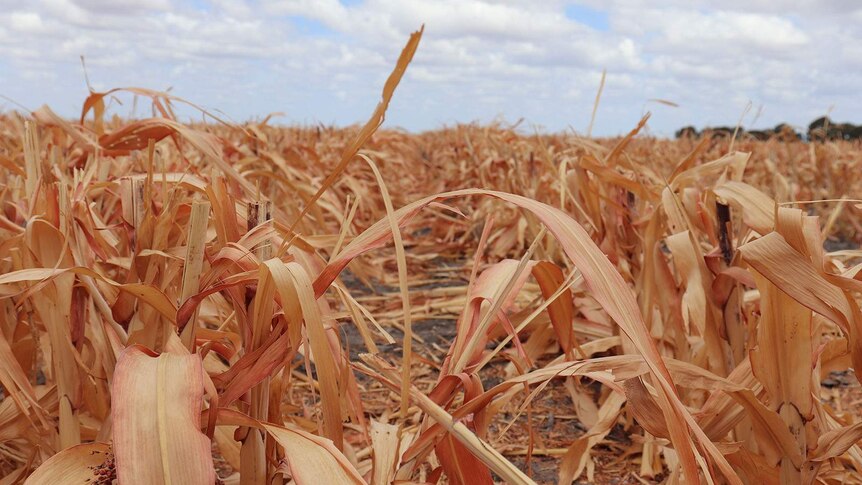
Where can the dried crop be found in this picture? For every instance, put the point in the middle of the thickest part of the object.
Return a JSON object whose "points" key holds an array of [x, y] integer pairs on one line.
{"points": [[213, 303]]}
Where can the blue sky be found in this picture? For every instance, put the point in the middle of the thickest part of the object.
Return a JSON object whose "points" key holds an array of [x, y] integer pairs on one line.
{"points": [[326, 60], [594, 18]]}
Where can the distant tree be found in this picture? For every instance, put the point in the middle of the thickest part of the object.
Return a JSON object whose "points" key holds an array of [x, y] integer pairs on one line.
{"points": [[817, 129], [786, 132], [686, 132], [825, 129], [719, 131], [761, 135]]}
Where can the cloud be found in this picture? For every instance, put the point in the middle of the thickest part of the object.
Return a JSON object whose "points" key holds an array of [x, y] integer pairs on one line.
{"points": [[121, 6], [326, 60]]}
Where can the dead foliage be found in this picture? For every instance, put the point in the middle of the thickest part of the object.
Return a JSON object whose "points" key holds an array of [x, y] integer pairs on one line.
{"points": [[273, 297]]}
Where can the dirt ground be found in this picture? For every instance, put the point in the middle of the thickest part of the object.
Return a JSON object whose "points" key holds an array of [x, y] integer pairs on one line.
{"points": [[552, 420]]}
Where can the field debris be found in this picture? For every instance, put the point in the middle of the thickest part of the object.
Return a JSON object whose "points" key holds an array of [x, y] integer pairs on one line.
{"points": [[251, 303]]}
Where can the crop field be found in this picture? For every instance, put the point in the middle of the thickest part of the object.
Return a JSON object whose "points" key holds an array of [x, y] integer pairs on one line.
{"points": [[220, 302]]}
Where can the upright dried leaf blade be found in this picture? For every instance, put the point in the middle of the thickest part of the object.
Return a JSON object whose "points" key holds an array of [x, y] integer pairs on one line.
{"points": [[384, 443], [155, 410], [372, 124], [782, 359], [294, 286]]}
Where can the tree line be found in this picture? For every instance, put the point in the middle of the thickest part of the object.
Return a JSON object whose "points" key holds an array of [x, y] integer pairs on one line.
{"points": [[820, 129]]}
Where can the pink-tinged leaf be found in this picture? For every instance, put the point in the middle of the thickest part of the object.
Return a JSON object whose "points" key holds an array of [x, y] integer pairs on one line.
{"points": [[156, 406]]}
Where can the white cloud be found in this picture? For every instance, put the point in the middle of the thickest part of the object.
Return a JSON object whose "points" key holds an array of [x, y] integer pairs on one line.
{"points": [[330, 12], [121, 6], [26, 23], [325, 60]]}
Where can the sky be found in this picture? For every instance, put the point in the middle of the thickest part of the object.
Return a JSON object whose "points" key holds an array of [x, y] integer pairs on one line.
{"points": [[325, 61]]}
